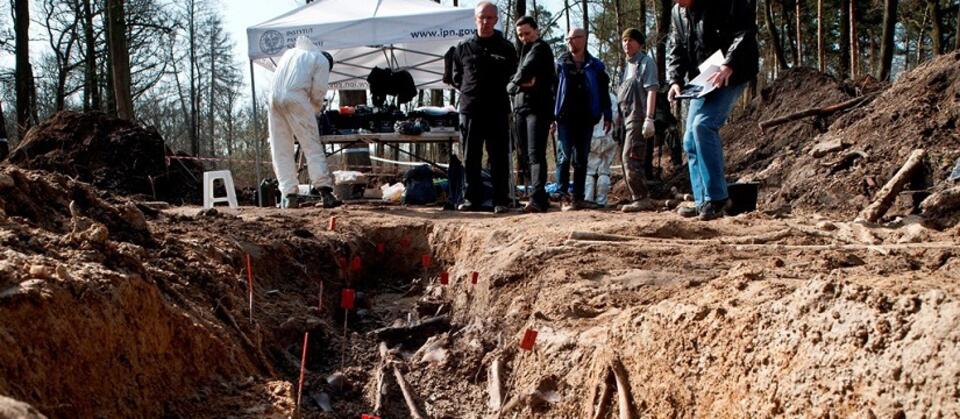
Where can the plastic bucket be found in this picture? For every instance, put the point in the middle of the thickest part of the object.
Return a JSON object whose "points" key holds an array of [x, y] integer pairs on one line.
{"points": [[743, 197]]}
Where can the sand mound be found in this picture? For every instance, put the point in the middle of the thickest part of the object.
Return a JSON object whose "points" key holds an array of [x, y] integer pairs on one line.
{"points": [[112, 154]]}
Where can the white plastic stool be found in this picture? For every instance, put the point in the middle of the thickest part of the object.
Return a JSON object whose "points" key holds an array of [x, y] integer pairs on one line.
{"points": [[208, 178]]}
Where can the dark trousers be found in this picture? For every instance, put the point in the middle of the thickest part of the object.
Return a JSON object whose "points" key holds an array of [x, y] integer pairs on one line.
{"points": [[492, 131], [532, 130], [573, 148], [634, 160]]}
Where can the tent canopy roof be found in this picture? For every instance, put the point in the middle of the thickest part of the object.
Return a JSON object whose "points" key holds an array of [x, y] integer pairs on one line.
{"points": [[362, 34]]}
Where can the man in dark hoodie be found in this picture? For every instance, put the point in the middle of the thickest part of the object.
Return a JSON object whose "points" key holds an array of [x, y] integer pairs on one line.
{"points": [[482, 67], [700, 28], [532, 90]]}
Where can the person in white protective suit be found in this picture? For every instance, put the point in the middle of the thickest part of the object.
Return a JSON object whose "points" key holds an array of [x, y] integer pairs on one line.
{"points": [[298, 90], [604, 149]]}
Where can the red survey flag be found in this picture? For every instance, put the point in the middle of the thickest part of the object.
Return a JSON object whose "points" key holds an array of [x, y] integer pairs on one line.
{"points": [[347, 297], [529, 338], [356, 264], [425, 261], [474, 277], [444, 278], [381, 249]]}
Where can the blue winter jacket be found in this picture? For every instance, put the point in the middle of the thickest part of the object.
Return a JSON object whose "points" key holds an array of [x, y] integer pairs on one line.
{"points": [[597, 81]]}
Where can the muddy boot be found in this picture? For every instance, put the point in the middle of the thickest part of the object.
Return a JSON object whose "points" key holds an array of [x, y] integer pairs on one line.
{"points": [[688, 212], [290, 201], [645, 204], [713, 210], [328, 199]]}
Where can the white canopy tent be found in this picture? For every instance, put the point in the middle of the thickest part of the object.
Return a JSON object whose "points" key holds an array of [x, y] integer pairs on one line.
{"points": [[411, 35], [361, 34]]}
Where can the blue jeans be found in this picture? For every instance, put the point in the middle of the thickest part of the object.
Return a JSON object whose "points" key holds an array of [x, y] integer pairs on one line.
{"points": [[573, 146], [702, 143]]}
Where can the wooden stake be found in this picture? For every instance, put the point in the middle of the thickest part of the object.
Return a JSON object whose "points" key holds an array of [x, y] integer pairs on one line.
{"points": [[495, 385], [623, 389], [606, 395], [408, 395], [888, 193]]}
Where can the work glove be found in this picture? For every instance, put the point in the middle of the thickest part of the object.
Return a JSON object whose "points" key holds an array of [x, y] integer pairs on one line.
{"points": [[648, 129]]}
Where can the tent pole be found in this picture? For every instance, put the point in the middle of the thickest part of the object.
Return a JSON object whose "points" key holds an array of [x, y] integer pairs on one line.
{"points": [[256, 132]]}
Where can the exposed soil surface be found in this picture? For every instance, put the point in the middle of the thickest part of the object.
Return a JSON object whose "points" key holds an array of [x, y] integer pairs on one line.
{"points": [[113, 308], [112, 154]]}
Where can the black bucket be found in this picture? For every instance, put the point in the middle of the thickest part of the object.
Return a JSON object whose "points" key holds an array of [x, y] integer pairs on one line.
{"points": [[743, 197]]}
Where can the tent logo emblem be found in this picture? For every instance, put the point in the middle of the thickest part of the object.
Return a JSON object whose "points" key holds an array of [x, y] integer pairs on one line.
{"points": [[271, 42]]}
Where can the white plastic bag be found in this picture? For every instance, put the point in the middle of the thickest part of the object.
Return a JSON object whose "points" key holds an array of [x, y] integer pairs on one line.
{"points": [[393, 193], [347, 176]]}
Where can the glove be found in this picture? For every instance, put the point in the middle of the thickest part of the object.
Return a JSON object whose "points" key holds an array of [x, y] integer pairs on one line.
{"points": [[648, 129]]}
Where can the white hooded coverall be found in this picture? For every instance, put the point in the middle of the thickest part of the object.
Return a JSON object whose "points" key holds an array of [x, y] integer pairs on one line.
{"points": [[603, 150], [299, 85]]}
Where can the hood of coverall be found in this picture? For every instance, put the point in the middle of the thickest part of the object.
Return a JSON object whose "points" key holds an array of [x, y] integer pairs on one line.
{"points": [[302, 75]]}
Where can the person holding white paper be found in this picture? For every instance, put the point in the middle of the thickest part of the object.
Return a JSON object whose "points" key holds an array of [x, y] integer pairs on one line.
{"points": [[700, 29]]}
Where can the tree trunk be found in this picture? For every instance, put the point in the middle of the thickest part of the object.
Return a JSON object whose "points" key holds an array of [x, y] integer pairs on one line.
{"points": [[774, 35], [956, 33], [843, 69], [521, 10], [642, 19], [586, 17], [799, 15], [663, 31], [91, 86], [120, 59], [24, 73], [789, 33], [887, 46], [923, 27], [566, 13], [906, 50], [936, 26], [854, 41], [821, 57], [210, 101], [194, 107], [618, 13]]}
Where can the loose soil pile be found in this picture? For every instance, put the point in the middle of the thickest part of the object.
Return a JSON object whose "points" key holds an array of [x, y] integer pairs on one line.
{"points": [[839, 171], [745, 316], [112, 154]]}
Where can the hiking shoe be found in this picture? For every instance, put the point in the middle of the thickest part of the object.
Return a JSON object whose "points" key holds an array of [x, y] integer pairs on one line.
{"points": [[500, 209], [290, 201], [467, 206], [645, 204], [560, 196], [688, 212], [712, 210], [575, 206], [328, 199]]}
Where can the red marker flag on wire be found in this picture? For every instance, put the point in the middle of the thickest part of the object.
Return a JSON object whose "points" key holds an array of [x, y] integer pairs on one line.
{"points": [[347, 297], [474, 277], [529, 338], [444, 278], [425, 261], [303, 364], [381, 249], [356, 264]]}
